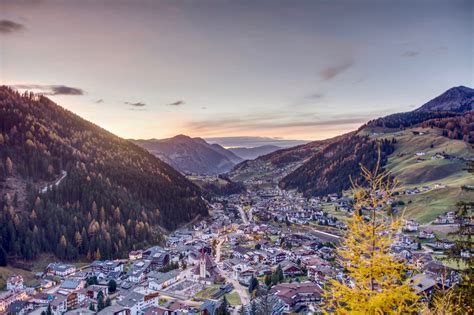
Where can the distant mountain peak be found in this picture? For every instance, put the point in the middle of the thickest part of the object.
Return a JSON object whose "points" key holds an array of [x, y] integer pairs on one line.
{"points": [[456, 99], [181, 136], [191, 155], [255, 152]]}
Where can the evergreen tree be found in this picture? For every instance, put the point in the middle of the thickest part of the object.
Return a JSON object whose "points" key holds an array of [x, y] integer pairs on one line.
{"points": [[48, 311], [224, 308], [280, 275], [378, 285], [112, 286], [267, 280], [100, 301], [91, 281], [3, 257], [462, 254], [9, 166], [253, 284]]}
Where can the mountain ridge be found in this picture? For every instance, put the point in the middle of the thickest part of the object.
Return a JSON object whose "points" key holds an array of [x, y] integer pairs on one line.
{"points": [[191, 155], [116, 195], [455, 99], [298, 167]]}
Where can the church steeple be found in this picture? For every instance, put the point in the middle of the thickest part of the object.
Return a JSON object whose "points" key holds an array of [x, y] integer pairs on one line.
{"points": [[202, 264]]}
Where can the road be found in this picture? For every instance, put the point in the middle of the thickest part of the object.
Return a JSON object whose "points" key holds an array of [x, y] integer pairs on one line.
{"points": [[218, 249], [56, 183], [243, 215], [240, 289]]}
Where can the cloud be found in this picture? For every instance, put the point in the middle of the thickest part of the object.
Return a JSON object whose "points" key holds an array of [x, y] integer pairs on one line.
{"points": [[315, 96], [252, 142], [410, 53], [50, 89], [274, 121], [308, 99], [136, 104], [177, 103], [65, 90], [331, 72], [7, 26]]}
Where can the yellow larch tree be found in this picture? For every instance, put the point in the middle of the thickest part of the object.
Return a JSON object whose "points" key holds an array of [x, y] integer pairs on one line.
{"points": [[375, 282]]}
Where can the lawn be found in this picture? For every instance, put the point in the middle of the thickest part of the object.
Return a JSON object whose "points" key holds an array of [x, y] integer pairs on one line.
{"points": [[425, 207], [207, 292], [28, 276], [452, 264], [233, 298]]}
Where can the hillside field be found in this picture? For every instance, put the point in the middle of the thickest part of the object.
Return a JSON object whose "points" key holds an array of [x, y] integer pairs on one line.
{"points": [[417, 171]]}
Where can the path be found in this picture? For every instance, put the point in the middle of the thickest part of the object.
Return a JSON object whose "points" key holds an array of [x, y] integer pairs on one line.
{"points": [[240, 289], [56, 183], [218, 249], [243, 215]]}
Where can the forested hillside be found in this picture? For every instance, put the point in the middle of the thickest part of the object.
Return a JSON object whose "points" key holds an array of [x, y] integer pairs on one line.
{"points": [[458, 127], [113, 195], [329, 170]]}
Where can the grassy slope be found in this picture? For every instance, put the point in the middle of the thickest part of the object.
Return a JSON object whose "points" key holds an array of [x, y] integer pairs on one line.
{"points": [[412, 173]]}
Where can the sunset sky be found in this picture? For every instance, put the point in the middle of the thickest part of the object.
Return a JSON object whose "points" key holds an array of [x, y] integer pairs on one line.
{"points": [[286, 69]]}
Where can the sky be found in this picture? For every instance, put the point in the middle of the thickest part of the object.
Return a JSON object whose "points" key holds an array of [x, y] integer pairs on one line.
{"points": [[284, 70]]}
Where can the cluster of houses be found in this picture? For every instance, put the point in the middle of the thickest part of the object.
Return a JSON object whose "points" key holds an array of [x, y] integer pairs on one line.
{"points": [[253, 235]]}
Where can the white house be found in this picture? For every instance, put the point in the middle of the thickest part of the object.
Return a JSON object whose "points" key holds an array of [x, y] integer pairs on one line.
{"points": [[15, 283]]}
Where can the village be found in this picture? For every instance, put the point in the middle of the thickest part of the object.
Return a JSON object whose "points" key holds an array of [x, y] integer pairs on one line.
{"points": [[267, 251]]}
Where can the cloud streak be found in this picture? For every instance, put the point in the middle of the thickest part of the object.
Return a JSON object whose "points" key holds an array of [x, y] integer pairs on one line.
{"points": [[135, 104], [8, 27], [252, 142], [331, 72], [50, 90], [277, 122], [410, 53], [177, 103]]}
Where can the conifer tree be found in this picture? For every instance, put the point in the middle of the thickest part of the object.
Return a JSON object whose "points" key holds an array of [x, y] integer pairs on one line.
{"points": [[462, 254], [100, 301], [375, 278], [9, 166], [224, 308], [3, 257]]}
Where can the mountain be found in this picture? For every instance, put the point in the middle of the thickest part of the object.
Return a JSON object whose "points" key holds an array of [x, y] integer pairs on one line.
{"points": [[323, 167], [76, 190], [191, 155], [454, 102], [253, 153], [456, 99], [274, 166], [329, 170]]}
